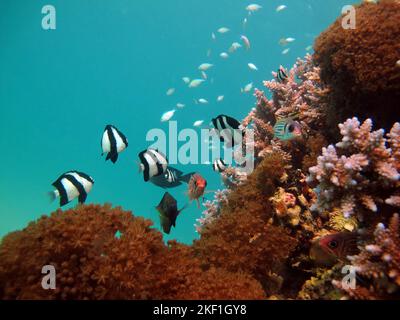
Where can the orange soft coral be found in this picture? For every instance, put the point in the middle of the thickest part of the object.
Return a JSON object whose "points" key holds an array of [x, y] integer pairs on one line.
{"points": [[92, 263], [359, 65], [242, 238]]}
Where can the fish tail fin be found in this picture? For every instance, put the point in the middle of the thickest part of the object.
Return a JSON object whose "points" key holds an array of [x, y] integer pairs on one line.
{"points": [[186, 177], [183, 208], [114, 157], [51, 196]]}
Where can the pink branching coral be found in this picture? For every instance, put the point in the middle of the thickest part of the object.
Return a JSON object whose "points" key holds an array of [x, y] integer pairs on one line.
{"points": [[213, 209], [362, 172], [301, 93], [378, 263]]}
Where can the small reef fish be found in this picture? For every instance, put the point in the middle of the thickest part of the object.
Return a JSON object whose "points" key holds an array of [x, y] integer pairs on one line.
{"points": [[71, 185], [309, 48], [234, 46], [213, 36], [171, 178], [287, 129], [170, 91], [332, 247], [248, 87], [282, 42], [219, 165], [203, 101], [195, 83], [168, 211], [224, 55], [186, 80], [252, 66], [253, 7], [229, 130], [113, 142], [280, 8], [205, 66], [196, 188], [246, 41], [167, 115], [286, 41], [244, 23], [198, 123], [281, 75], [180, 105], [204, 75], [153, 163], [220, 98], [286, 51], [208, 53], [223, 30]]}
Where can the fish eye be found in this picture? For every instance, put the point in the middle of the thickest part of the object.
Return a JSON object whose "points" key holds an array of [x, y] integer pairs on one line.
{"points": [[333, 244], [291, 128]]}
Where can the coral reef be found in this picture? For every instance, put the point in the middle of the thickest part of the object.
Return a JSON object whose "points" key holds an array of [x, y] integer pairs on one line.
{"points": [[91, 263], [320, 286], [259, 236], [302, 94], [359, 66], [361, 172], [213, 209], [243, 237], [378, 262]]}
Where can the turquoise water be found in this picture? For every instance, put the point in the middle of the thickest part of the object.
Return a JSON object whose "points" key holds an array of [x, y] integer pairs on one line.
{"points": [[111, 62]]}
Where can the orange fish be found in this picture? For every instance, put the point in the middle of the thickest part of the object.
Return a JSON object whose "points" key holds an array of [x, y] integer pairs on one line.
{"points": [[197, 186], [332, 247]]}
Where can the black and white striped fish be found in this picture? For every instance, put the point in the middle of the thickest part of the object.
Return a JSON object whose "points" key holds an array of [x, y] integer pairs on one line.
{"points": [[113, 142], [171, 178], [229, 129], [71, 185], [219, 165], [153, 163], [281, 75]]}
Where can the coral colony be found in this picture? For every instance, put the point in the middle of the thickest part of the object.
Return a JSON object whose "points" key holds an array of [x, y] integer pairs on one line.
{"points": [[280, 232]]}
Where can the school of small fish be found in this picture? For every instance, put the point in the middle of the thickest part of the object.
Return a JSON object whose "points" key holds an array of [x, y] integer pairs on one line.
{"points": [[153, 163], [242, 41]]}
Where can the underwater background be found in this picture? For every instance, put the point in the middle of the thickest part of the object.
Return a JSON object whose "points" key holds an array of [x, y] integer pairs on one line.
{"points": [[111, 62]]}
